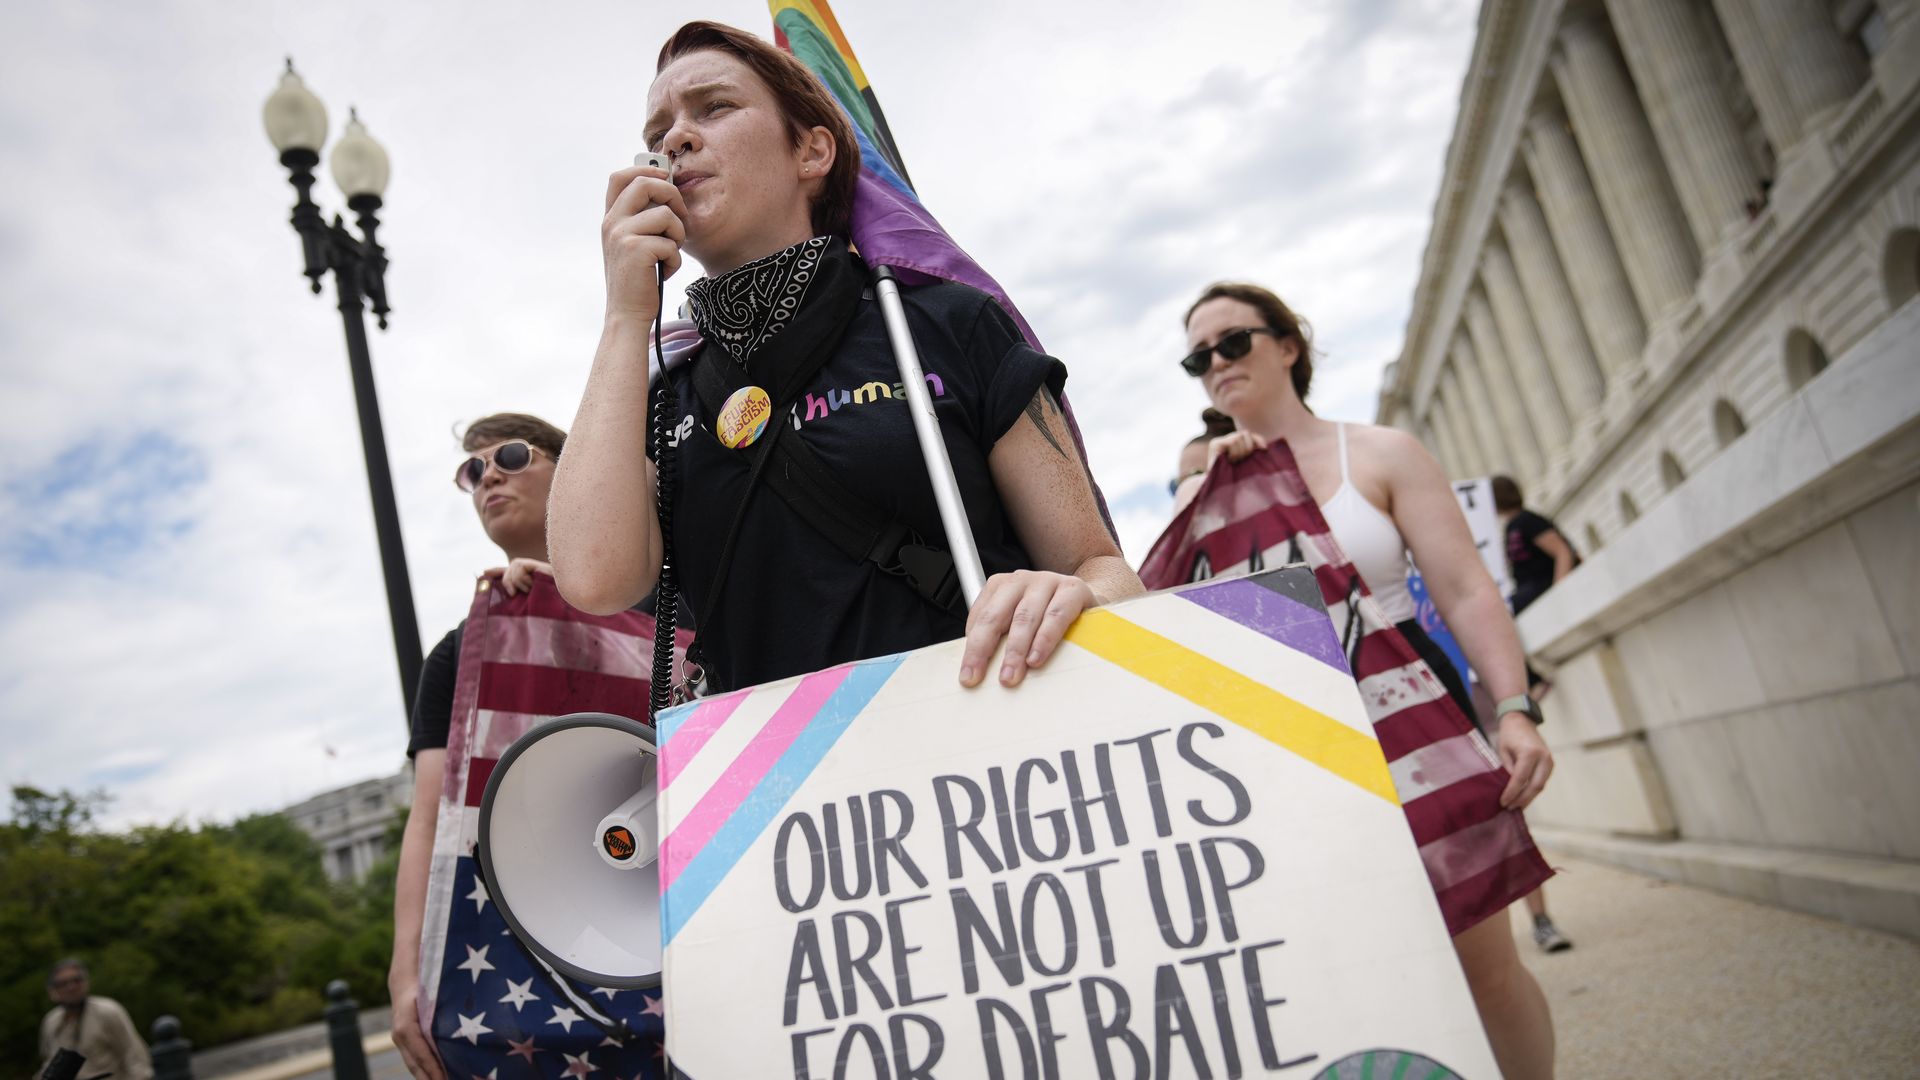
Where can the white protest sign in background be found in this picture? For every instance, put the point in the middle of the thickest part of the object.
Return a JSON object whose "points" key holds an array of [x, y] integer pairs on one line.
{"points": [[1483, 521], [1175, 851]]}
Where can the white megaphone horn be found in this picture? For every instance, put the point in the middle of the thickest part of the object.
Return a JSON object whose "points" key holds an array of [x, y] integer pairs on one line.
{"points": [[569, 847]]}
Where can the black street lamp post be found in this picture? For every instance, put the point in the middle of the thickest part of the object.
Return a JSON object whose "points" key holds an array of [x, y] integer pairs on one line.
{"points": [[297, 124]]}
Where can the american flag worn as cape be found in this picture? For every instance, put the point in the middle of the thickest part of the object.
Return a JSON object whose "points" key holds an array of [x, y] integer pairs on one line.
{"points": [[492, 1009], [1257, 513]]}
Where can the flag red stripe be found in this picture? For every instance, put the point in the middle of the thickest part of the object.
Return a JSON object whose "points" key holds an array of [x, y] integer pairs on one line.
{"points": [[527, 688], [1460, 805], [478, 770], [1471, 900], [1416, 726]]}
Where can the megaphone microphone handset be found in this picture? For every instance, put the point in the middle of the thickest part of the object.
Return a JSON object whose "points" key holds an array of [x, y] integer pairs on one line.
{"points": [[666, 599]]}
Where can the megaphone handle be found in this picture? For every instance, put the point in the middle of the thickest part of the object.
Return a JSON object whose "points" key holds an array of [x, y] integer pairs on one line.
{"points": [[926, 428]]}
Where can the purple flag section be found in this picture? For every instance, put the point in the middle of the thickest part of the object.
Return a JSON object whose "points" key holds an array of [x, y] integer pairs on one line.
{"points": [[1291, 623], [893, 229]]}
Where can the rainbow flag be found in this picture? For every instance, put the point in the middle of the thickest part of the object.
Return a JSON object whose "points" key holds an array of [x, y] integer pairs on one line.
{"points": [[890, 226]]}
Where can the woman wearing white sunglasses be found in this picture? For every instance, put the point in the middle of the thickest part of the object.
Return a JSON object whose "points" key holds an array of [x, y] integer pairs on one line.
{"points": [[507, 477]]}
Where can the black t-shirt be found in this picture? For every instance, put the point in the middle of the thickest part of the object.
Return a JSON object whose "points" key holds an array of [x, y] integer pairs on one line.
{"points": [[794, 602], [1532, 567], [433, 699]]}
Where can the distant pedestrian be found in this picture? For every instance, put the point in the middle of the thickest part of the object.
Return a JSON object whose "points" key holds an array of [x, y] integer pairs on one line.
{"points": [[95, 1027], [1193, 457], [1537, 556]]}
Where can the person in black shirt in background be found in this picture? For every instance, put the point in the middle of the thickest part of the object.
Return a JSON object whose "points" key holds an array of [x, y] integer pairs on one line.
{"points": [[1537, 556], [507, 476], [1536, 553]]}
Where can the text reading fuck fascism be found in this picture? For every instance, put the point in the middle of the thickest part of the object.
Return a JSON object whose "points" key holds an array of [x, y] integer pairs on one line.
{"points": [[1033, 921]]}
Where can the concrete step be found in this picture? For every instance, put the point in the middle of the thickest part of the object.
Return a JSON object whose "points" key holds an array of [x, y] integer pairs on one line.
{"points": [[1883, 894]]}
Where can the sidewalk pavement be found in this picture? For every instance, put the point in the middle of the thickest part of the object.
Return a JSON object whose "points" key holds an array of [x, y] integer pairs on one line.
{"points": [[383, 1063], [1667, 980]]}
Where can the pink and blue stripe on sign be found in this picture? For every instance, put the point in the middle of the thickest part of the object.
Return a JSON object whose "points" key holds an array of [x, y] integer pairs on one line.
{"points": [[755, 786]]}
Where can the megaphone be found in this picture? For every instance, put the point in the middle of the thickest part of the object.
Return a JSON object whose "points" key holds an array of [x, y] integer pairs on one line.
{"points": [[570, 848]]}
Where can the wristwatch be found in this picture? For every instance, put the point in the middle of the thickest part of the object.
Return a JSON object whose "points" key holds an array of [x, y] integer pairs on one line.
{"points": [[1520, 703]]}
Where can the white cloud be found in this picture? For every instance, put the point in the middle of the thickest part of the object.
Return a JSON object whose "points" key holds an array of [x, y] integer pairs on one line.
{"points": [[1104, 161]]}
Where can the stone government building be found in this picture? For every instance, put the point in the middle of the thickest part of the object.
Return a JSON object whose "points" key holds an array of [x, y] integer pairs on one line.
{"points": [[1670, 288], [350, 823]]}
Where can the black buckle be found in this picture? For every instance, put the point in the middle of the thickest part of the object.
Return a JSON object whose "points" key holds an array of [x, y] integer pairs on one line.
{"points": [[885, 549], [931, 573]]}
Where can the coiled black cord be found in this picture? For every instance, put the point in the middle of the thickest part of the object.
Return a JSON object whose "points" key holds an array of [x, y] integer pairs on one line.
{"points": [[666, 597]]}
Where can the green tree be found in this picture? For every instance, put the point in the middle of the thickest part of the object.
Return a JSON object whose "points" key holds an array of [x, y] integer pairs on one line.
{"points": [[233, 928]]}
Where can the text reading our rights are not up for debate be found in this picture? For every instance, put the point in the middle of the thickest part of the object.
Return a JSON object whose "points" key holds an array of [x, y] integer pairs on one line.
{"points": [[1034, 861]]}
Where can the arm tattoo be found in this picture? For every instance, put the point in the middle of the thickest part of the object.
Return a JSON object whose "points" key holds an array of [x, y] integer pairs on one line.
{"points": [[1037, 412]]}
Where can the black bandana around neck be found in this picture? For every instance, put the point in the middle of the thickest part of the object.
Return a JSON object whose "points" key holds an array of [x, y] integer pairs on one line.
{"points": [[810, 285]]}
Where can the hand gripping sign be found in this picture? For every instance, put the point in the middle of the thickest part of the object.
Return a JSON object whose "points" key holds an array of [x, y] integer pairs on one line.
{"points": [[1176, 850]]}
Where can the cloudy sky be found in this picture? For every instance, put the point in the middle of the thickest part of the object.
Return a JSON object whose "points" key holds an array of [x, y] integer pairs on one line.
{"points": [[191, 607]]}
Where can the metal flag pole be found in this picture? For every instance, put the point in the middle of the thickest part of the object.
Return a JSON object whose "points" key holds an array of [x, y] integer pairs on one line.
{"points": [[933, 448]]}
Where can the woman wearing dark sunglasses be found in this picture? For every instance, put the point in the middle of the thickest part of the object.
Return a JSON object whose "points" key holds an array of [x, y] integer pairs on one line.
{"points": [[507, 474], [1384, 496]]}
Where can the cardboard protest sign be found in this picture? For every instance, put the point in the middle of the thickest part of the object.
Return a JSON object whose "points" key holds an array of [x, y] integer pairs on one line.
{"points": [[1174, 851], [1483, 523]]}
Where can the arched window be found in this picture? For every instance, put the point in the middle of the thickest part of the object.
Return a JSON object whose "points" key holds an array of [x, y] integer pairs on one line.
{"points": [[1728, 424], [1805, 358], [1629, 510], [1901, 268], [1671, 473]]}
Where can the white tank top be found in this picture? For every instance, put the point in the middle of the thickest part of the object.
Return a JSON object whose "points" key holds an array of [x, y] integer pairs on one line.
{"points": [[1372, 542]]}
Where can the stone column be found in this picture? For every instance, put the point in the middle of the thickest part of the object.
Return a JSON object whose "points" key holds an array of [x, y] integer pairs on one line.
{"points": [[1466, 431], [1526, 357], [1614, 323], [1807, 67], [1503, 390], [1760, 70], [1576, 371], [1441, 422], [1656, 244], [1670, 48], [1429, 433], [1896, 67], [1480, 408]]}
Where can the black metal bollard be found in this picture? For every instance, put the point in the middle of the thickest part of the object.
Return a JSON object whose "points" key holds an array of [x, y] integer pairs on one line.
{"points": [[172, 1054], [343, 1034]]}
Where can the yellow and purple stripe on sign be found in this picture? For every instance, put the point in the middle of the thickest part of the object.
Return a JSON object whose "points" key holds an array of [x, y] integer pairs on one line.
{"points": [[1351, 755], [753, 788]]}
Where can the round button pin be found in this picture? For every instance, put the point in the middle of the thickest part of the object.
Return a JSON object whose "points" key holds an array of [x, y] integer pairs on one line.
{"points": [[743, 418]]}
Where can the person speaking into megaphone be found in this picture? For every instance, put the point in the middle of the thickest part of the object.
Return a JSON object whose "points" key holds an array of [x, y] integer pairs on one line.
{"points": [[788, 442]]}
